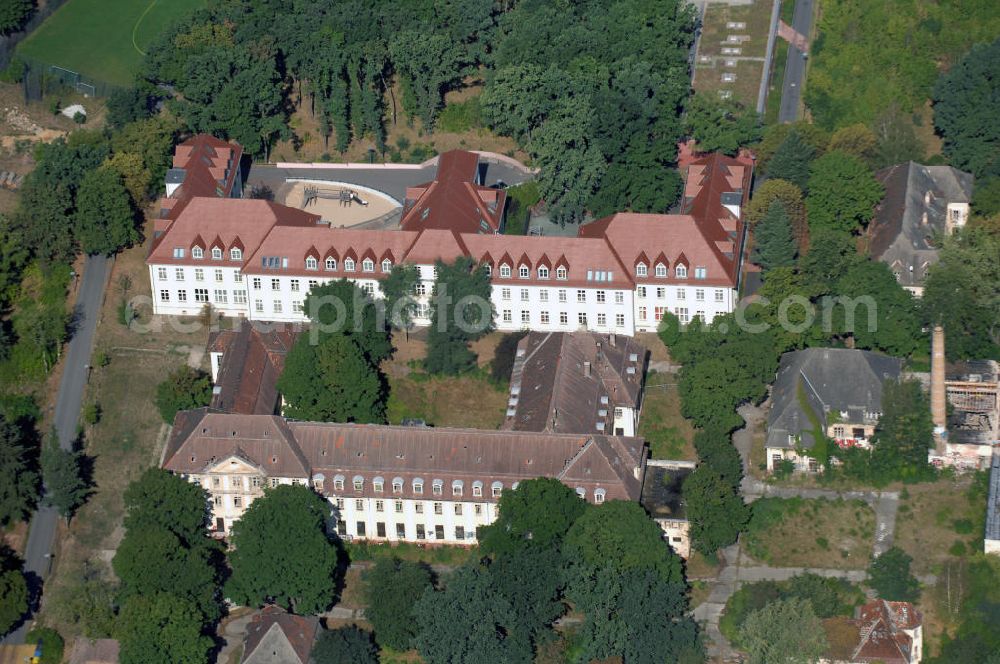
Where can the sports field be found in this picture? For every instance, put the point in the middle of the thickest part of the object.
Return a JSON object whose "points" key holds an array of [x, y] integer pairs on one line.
{"points": [[103, 39]]}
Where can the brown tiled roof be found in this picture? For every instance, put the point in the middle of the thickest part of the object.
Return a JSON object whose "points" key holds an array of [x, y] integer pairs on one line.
{"points": [[202, 438], [299, 631], [550, 390], [253, 358], [453, 201]]}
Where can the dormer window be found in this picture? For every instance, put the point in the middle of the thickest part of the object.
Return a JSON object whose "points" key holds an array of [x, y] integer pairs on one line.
{"points": [[197, 252], [367, 265], [641, 270], [700, 273], [397, 485], [386, 266], [496, 489], [418, 486], [489, 270], [681, 271], [505, 271], [359, 483], [338, 483], [661, 270], [178, 252], [235, 254], [524, 272], [349, 264], [561, 273], [311, 263], [216, 254], [331, 263], [543, 272]]}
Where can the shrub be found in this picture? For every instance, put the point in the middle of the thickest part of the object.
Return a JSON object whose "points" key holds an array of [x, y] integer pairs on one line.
{"points": [[92, 413], [962, 526], [52, 644], [957, 549]]}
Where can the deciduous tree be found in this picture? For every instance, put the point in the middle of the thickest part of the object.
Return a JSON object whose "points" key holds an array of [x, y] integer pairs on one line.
{"points": [[184, 389], [161, 629], [889, 575], [715, 509], [398, 295], [787, 631], [161, 500], [537, 514], [858, 141], [392, 589], [282, 553], [842, 193], [461, 312], [719, 125], [345, 644], [904, 434], [65, 478], [13, 590]]}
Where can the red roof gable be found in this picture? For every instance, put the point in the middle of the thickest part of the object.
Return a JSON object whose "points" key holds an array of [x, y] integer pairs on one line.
{"points": [[453, 201]]}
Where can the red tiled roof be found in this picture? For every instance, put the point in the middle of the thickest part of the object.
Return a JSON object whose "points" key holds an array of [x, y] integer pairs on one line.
{"points": [[236, 222], [453, 201], [881, 626], [679, 238], [299, 631], [211, 167], [294, 243]]}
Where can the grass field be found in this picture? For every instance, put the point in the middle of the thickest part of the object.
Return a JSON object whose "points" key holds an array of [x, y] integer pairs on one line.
{"points": [[669, 435], [103, 39]]}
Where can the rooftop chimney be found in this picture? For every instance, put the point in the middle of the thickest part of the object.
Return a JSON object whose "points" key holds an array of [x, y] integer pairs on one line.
{"points": [[586, 369], [612, 340], [938, 395]]}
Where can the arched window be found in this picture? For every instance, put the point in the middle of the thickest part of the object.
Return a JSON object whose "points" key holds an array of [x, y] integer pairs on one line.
{"points": [[235, 254], [661, 270], [311, 263], [640, 270], [580, 491], [505, 271], [359, 483], [681, 272], [418, 485], [497, 489], [216, 254], [197, 252], [331, 263], [561, 273], [378, 484], [397, 485], [368, 265], [477, 489], [349, 264], [338, 483], [543, 272], [387, 265], [598, 495]]}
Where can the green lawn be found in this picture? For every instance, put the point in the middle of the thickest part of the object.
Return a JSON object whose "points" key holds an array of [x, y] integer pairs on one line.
{"points": [[102, 39]]}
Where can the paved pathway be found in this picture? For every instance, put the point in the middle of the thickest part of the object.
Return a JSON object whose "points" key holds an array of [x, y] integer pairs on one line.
{"points": [[42, 533], [795, 66]]}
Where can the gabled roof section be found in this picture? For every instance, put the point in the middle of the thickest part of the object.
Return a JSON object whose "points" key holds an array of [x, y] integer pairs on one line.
{"points": [[829, 380], [203, 166], [274, 628], [455, 200], [252, 361]]}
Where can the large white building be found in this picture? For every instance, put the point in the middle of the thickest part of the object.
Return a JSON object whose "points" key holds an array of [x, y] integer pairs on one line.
{"points": [[258, 259]]}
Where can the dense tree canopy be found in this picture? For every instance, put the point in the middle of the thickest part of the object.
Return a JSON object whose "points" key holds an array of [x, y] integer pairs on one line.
{"points": [[790, 197], [774, 241], [161, 629], [14, 14], [13, 590], [963, 101], [791, 160], [889, 575], [345, 644], [184, 389], [721, 125], [786, 630], [392, 589], [19, 485], [843, 193], [538, 513], [161, 500], [105, 219], [282, 554], [65, 476], [715, 509]]}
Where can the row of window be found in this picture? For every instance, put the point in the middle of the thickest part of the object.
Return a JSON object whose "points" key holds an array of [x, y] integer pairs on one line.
{"points": [[421, 531], [219, 296], [199, 274], [418, 507], [198, 253], [524, 272], [661, 271], [544, 318], [563, 295], [699, 293], [681, 313], [367, 265], [417, 486]]}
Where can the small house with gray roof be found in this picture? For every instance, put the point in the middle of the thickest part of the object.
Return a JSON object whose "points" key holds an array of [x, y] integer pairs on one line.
{"points": [[921, 205], [825, 393]]}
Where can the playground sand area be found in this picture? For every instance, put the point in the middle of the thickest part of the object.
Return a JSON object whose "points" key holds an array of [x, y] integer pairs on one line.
{"points": [[325, 200]]}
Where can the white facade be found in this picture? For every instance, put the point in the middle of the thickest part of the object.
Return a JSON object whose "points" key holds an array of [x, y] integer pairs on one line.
{"points": [[185, 290], [395, 519]]}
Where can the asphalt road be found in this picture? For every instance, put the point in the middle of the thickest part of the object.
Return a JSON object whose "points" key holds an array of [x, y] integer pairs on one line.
{"points": [[41, 536], [795, 67]]}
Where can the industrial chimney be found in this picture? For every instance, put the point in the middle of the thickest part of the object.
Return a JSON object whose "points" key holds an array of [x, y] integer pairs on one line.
{"points": [[938, 395]]}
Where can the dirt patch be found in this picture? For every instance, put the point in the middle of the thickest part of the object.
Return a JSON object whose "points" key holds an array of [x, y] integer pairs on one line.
{"points": [[941, 522], [324, 200]]}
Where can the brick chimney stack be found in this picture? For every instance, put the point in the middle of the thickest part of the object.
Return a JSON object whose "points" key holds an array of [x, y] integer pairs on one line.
{"points": [[938, 395]]}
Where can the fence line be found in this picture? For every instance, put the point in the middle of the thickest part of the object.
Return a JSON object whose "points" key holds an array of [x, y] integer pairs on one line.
{"points": [[9, 42]]}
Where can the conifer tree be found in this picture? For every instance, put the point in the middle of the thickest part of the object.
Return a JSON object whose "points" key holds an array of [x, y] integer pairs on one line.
{"points": [[774, 242], [791, 160]]}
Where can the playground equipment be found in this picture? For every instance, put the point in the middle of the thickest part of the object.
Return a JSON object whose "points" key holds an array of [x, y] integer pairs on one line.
{"points": [[346, 197]]}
